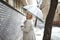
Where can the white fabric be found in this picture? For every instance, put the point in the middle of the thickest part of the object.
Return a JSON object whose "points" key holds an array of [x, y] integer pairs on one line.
{"points": [[28, 33], [38, 33], [34, 10]]}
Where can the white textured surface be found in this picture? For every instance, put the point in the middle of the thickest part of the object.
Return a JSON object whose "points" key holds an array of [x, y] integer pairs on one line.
{"points": [[34, 10], [10, 23]]}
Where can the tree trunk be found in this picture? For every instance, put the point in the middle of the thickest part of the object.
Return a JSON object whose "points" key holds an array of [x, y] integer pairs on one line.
{"points": [[49, 20]]}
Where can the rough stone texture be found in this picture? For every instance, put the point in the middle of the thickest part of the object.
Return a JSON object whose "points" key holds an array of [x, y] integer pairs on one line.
{"points": [[10, 22]]}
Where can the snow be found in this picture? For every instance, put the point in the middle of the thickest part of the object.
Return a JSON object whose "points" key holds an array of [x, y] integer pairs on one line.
{"points": [[58, 0], [39, 32], [55, 33]]}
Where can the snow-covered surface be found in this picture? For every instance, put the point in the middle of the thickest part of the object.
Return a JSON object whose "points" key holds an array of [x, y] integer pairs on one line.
{"points": [[55, 32], [58, 0], [54, 36], [39, 32]]}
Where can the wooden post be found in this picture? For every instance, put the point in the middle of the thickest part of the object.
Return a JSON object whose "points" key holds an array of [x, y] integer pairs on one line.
{"points": [[7, 1], [35, 22]]}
